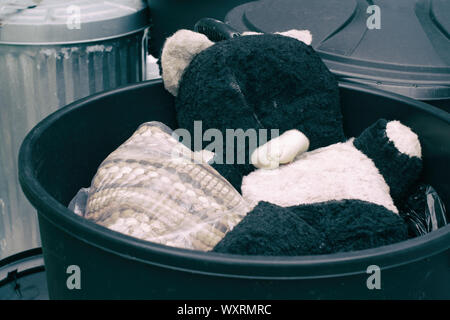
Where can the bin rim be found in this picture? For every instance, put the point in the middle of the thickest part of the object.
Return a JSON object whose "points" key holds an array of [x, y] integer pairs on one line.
{"points": [[218, 264]]}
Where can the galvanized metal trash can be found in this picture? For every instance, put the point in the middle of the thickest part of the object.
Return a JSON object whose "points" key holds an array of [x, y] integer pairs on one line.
{"points": [[52, 53]]}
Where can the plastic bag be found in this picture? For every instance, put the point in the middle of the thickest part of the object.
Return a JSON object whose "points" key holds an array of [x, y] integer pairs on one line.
{"points": [[423, 211], [154, 188], [78, 203]]}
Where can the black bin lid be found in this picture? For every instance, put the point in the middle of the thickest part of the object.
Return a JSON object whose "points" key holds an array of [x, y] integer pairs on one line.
{"points": [[409, 54]]}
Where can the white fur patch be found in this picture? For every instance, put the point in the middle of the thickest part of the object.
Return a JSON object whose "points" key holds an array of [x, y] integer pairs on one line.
{"points": [[404, 139], [335, 172], [304, 36], [177, 53], [250, 33], [301, 35]]}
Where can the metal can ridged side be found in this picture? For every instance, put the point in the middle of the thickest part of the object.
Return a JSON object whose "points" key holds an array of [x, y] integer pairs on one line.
{"points": [[36, 80]]}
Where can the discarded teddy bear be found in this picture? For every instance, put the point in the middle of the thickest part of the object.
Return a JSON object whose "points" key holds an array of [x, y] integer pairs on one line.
{"points": [[338, 197]]}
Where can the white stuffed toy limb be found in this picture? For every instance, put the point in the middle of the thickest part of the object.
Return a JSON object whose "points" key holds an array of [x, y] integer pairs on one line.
{"points": [[384, 159]]}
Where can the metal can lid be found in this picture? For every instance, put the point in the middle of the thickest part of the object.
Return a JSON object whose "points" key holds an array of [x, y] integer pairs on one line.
{"points": [[401, 46], [22, 276], [53, 21]]}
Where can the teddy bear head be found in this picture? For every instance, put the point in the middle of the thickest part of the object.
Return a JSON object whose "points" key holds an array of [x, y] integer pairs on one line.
{"points": [[253, 82]]}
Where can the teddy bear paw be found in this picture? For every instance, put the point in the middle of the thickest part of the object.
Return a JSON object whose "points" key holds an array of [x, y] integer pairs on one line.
{"points": [[404, 139], [280, 150]]}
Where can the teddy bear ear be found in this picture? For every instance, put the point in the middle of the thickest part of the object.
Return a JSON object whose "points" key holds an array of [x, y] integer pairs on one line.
{"points": [[301, 35], [177, 53]]}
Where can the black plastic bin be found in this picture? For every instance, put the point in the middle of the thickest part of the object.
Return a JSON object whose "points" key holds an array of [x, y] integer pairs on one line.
{"points": [[61, 155]]}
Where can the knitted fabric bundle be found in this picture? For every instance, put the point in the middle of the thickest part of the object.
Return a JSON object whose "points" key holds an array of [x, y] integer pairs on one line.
{"points": [[260, 82]]}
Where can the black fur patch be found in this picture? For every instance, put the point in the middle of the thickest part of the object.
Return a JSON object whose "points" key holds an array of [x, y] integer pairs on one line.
{"points": [[351, 225], [320, 228], [231, 174], [272, 231]]}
